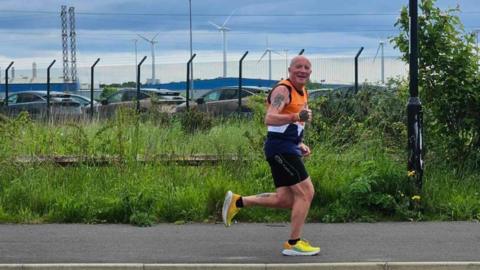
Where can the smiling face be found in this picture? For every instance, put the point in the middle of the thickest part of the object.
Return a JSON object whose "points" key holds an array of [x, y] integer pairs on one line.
{"points": [[299, 71]]}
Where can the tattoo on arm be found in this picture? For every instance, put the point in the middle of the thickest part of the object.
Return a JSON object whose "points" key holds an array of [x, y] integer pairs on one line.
{"points": [[264, 195], [278, 100]]}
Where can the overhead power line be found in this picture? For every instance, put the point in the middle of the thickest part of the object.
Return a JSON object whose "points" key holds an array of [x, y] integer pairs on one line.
{"points": [[104, 35], [220, 14]]}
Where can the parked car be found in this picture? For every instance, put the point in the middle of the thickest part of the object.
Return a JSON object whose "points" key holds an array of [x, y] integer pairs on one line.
{"points": [[85, 102], [224, 100], [35, 103], [150, 98]]}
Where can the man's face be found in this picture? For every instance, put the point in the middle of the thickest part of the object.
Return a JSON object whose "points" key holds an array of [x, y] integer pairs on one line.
{"points": [[299, 71]]}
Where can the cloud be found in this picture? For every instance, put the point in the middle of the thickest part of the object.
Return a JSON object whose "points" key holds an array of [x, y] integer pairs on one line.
{"points": [[106, 28]]}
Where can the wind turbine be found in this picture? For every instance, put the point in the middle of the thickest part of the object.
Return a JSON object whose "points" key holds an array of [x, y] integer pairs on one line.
{"points": [[380, 45], [269, 51], [136, 61], [286, 62], [152, 42], [224, 31]]}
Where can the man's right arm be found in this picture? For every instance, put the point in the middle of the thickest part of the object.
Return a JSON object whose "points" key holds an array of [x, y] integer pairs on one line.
{"points": [[279, 99]]}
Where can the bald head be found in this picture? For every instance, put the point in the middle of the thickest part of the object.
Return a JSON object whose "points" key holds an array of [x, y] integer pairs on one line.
{"points": [[299, 71], [299, 58]]}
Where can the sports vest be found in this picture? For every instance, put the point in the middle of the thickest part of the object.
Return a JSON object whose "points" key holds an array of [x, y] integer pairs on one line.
{"points": [[284, 139]]}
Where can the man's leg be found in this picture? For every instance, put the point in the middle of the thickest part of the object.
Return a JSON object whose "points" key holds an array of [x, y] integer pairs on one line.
{"points": [[282, 198], [302, 197]]}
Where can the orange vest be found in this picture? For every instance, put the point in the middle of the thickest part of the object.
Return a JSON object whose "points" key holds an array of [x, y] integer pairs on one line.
{"points": [[298, 98]]}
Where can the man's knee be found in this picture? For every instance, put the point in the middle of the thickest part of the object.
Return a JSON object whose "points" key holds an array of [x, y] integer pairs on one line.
{"points": [[311, 189], [284, 201], [305, 191]]}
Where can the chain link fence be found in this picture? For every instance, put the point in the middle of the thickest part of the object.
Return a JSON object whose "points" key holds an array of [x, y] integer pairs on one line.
{"points": [[338, 70]]}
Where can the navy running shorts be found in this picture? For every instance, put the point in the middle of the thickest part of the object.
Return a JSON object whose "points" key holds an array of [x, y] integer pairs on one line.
{"points": [[287, 169]]}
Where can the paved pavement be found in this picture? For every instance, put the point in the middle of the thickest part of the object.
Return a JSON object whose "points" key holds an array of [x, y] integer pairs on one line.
{"points": [[240, 244]]}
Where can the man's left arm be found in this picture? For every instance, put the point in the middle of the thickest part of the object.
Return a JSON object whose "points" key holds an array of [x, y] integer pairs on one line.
{"points": [[303, 147]]}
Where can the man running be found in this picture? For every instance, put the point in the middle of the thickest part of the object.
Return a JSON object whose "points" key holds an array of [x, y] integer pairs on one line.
{"points": [[286, 115]]}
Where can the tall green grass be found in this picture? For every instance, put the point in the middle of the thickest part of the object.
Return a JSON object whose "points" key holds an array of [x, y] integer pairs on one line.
{"points": [[126, 136], [363, 180]]}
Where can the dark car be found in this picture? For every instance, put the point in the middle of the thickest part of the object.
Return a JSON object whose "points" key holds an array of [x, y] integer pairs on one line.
{"points": [[161, 99], [224, 100], [85, 102], [35, 103]]}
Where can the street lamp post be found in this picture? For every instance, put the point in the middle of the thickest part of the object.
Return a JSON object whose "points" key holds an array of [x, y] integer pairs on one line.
{"points": [[414, 107], [191, 49]]}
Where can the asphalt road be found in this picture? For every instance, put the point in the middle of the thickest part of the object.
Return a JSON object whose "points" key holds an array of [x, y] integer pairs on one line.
{"points": [[241, 243]]}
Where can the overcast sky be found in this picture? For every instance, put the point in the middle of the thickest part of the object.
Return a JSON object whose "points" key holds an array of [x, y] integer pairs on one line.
{"points": [[31, 30]]}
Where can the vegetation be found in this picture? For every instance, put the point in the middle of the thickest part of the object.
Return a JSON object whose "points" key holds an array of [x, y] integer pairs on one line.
{"points": [[358, 165], [118, 85], [358, 168], [107, 91], [449, 81]]}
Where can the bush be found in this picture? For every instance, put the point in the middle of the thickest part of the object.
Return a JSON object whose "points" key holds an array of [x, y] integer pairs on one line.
{"points": [[449, 81], [107, 91], [345, 118], [193, 121]]}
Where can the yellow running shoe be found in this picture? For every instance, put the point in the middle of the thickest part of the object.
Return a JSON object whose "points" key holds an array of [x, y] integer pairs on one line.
{"points": [[301, 248], [230, 208]]}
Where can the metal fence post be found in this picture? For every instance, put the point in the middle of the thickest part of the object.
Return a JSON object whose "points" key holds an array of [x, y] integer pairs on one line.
{"points": [[91, 87], [356, 69], [138, 82], [6, 83], [188, 80], [48, 89], [240, 79]]}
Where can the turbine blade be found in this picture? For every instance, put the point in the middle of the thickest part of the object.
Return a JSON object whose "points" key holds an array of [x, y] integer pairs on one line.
{"points": [[262, 56], [376, 54], [146, 39], [225, 22], [216, 25], [277, 52], [155, 37]]}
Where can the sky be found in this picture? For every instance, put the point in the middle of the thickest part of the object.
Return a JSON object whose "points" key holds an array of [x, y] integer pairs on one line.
{"points": [[107, 29]]}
